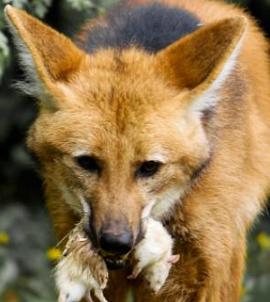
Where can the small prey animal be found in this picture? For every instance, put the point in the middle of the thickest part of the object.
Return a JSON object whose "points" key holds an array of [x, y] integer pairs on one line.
{"points": [[81, 271]]}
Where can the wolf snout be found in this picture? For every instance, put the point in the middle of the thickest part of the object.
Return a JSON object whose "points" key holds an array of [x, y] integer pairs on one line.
{"points": [[116, 238], [118, 244]]}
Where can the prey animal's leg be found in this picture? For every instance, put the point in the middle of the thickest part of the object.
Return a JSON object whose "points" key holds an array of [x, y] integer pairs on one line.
{"points": [[99, 295], [88, 297], [62, 297]]}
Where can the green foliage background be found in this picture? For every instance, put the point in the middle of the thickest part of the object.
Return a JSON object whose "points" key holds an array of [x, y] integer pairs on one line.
{"points": [[25, 231]]}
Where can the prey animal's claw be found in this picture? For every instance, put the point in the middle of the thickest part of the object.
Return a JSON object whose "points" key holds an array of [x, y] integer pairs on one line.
{"points": [[135, 273], [174, 259], [131, 276]]}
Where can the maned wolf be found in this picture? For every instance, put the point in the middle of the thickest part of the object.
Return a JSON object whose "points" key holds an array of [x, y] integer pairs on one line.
{"points": [[158, 111]]}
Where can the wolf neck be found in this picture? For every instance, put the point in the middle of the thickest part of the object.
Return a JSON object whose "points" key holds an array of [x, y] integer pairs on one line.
{"points": [[151, 27]]}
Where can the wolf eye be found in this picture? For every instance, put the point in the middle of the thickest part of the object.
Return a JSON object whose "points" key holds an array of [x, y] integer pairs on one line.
{"points": [[148, 168], [88, 163]]}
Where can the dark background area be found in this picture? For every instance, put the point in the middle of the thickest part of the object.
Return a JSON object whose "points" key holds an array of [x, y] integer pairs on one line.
{"points": [[26, 240]]}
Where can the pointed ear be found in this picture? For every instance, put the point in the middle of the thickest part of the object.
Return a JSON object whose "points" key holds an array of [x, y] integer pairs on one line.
{"points": [[47, 56], [202, 61]]}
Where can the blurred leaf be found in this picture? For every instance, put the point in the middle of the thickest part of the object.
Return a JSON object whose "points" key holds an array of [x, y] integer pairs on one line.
{"points": [[4, 53], [37, 7], [81, 4], [16, 3], [11, 296], [40, 7]]}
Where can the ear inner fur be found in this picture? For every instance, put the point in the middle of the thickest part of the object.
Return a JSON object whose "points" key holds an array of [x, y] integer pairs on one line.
{"points": [[55, 56], [200, 56]]}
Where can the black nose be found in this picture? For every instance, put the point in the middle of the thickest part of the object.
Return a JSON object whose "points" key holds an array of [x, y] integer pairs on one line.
{"points": [[117, 244]]}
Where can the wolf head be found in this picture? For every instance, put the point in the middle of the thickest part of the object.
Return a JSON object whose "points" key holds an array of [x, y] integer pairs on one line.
{"points": [[122, 132]]}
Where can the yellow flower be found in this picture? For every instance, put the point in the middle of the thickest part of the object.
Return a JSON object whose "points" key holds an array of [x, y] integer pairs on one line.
{"points": [[4, 238], [54, 254], [242, 291], [264, 241]]}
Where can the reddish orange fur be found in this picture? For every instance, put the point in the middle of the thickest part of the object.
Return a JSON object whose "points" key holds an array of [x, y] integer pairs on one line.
{"points": [[210, 224]]}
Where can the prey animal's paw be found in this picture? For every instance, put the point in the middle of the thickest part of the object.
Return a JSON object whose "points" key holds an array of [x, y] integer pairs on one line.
{"points": [[153, 255]]}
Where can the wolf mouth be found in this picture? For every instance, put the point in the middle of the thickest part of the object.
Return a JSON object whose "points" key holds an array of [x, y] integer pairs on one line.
{"points": [[115, 263]]}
